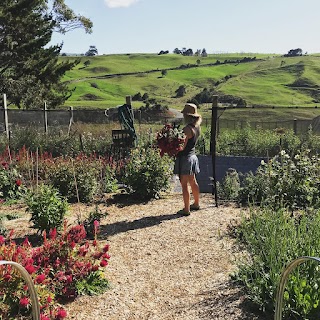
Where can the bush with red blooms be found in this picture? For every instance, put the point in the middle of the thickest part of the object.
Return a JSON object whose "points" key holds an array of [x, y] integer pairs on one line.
{"points": [[63, 267], [170, 140]]}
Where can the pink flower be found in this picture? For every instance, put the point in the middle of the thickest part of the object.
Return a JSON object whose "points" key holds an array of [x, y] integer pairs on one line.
{"points": [[61, 314], [30, 268], [106, 248], [40, 278], [44, 317], [24, 301], [103, 263], [53, 233], [2, 239]]}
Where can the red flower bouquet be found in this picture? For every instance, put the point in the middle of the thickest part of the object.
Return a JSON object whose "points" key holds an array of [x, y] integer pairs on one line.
{"points": [[170, 140]]}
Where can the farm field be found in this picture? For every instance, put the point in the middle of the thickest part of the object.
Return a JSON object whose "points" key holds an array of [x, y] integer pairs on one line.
{"points": [[156, 256], [269, 80]]}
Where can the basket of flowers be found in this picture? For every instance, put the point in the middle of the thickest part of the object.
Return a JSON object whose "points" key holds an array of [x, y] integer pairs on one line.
{"points": [[170, 140]]}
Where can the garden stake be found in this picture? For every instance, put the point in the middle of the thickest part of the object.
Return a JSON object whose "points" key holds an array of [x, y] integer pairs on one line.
{"points": [[283, 280], [31, 288]]}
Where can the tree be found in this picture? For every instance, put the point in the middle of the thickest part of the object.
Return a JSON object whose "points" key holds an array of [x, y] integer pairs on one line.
{"points": [[164, 72], [294, 53], [181, 91], [92, 51], [30, 72], [204, 53]]}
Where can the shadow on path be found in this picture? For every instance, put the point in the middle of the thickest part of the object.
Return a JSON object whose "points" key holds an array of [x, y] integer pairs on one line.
{"points": [[227, 300], [124, 226]]}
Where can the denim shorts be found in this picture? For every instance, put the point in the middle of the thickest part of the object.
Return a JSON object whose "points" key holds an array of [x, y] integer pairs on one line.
{"points": [[186, 165]]}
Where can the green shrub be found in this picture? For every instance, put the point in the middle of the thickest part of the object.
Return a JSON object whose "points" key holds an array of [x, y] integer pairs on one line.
{"points": [[11, 186], [147, 173], [291, 182], [75, 177], [47, 208], [94, 215], [273, 239], [229, 187], [109, 181]]}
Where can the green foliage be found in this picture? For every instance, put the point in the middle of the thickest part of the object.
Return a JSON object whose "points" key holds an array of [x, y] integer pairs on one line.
{"points": [[94, 215], [110, 182], [74, 177], [147, 173], [273, 239], [229, 187], [47, 208], [291, 182], [10, 182], [256, 142], [94, 284]]}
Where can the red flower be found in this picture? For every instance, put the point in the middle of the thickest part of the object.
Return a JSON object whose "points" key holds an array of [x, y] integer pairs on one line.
{"points": [[24, 301], [103, 263], [40, 278], [61, 314], [18, 182], [30, 268], [44, 317], [106, 248], [2, 239]]}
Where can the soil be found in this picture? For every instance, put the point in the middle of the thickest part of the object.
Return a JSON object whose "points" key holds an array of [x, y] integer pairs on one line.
{"points": [[163, 266]]}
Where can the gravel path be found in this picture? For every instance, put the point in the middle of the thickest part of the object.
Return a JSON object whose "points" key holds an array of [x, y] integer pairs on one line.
{"points": [[165, 266]]}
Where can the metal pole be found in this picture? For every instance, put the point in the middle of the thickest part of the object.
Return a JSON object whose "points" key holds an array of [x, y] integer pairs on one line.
{"points": [[283, 280], [6, 119], [213, 145], [45, 118], [31, 288]]}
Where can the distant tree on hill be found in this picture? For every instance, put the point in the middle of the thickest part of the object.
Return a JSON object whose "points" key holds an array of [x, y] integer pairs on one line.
{"points": [[164, 72], [86, 63], [181, 91], [177, 51], [163, 52], [204, 53], [294, 53], [92, 51]]}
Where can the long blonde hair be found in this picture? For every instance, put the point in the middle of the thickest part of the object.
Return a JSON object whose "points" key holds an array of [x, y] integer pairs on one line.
{"points": [[189, 119]]}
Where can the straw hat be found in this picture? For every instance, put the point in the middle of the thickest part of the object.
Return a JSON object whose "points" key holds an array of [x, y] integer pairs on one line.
{"points": [[191, 110]]}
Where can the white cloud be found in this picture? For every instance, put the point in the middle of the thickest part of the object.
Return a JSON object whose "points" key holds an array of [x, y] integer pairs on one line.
{"points": [[120, 3]]}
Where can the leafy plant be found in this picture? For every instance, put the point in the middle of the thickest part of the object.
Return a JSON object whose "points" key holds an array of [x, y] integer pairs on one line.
{"points": [[147, 173], [89, 221], [11, 186], [272, 240], [47, 208], [230, 185]]}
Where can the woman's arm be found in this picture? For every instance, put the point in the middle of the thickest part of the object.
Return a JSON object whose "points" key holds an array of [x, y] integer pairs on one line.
{"points": [[189, 134]]}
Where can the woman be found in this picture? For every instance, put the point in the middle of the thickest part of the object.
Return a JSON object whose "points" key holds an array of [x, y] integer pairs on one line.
{"points": [[187, 164]]}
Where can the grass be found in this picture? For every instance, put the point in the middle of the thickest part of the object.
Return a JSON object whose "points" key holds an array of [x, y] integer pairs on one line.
{"points": [[270, 80]]}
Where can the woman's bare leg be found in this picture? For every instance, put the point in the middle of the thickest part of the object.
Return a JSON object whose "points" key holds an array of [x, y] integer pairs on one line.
{"points": [[185, 192], [195, 189]]}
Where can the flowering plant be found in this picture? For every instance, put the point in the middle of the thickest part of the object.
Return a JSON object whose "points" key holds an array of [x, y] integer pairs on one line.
{"points": [[170, 140]]}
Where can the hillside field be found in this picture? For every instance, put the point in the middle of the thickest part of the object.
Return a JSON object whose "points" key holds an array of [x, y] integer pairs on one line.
{"points": [[269, 80]]}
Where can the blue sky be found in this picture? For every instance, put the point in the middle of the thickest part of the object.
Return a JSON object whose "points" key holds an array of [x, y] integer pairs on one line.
{"points": [[148, 26]]}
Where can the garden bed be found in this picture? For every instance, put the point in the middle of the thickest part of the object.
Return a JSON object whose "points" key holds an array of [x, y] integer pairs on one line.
{"points": [[162, 266]]}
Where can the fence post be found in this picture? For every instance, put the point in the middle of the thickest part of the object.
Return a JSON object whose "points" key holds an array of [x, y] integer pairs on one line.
{"points": [[45, 117], [6, 120], [295, 127], [128, 103], [70, 120], [213, 145]]}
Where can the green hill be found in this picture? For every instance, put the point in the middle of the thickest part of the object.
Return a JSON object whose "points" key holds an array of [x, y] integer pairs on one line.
{"points": [[268, 80]]}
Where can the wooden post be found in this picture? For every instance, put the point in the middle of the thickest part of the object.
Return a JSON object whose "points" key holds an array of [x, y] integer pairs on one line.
{"points": [[45, 117], [128, 103], [295, 128], [6, 120], [70, 120], [213, 145]]}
